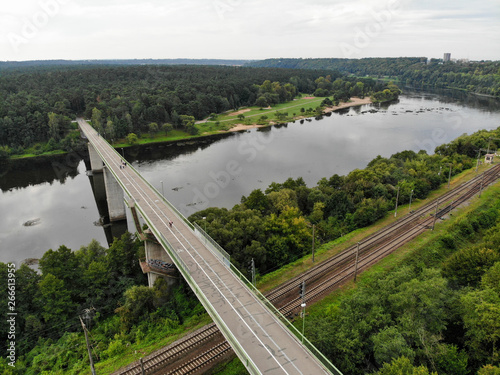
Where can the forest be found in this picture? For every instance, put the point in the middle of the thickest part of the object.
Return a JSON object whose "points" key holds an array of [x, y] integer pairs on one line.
{"points": [[436, 312], [107, 289], [38, 104], [481, 77]]}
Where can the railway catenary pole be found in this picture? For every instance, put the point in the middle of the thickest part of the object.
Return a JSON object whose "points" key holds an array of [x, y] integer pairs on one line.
{"points": [[435, 214], [396, 209], [313, 244], [411, 195], [449, 177], [481, 186], [303, 305], [356, 264], [478, 156]]}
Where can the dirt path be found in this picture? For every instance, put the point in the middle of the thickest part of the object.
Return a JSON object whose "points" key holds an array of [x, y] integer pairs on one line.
{"points": [[241, 111]]}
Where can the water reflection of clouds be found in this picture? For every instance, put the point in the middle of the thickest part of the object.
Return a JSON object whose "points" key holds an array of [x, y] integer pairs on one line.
{"points": [[312, 150], [62, 219]]}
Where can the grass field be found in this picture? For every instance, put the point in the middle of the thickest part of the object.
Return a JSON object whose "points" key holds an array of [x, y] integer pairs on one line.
{"points": [[224, 122], [291, 107], [146, 138]]}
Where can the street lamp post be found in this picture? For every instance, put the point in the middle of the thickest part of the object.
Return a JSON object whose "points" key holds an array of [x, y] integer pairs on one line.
{"points": [[162, 193], [205, 229], [253, 272]]}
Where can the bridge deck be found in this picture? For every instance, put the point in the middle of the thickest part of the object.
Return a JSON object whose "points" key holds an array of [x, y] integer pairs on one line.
{"points": [[267, 344]]}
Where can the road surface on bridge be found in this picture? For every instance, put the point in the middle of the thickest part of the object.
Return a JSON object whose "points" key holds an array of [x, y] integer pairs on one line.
{"points": [[267, 344]]}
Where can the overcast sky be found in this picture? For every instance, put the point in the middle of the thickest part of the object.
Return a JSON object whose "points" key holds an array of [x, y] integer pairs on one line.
{"points": [[248, 29]]}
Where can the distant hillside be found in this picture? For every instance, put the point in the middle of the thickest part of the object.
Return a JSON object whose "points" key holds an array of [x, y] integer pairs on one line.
{"points": [[366, 66], [33, 63], [479, 77]]}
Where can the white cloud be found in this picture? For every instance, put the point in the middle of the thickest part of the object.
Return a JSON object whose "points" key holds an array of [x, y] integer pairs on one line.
{"points": [[250, 29]]}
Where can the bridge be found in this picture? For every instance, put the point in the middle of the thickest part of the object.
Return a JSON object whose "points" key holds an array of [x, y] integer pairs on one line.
{"points": [[260, 336]]}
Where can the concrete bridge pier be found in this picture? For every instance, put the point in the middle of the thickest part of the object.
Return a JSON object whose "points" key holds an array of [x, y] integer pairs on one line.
{"points": [[96, 162], [114, 194], [154, 251]]}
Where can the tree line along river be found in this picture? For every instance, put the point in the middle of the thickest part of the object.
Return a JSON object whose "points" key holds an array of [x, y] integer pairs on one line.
{"points": [[48, 202]]}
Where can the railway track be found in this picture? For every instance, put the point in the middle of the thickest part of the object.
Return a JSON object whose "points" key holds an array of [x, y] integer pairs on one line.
{"points": [[384, 236], [203, 359], [320, 279]]}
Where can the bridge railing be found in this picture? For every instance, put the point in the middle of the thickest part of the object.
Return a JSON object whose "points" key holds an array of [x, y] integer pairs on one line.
{"points": [[206, 303], [170, 205], [184, 269], [314, 351], [225, 257], [213, 246]]}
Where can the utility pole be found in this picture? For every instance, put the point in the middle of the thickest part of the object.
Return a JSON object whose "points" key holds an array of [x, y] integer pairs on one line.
{"points": [[435, 214], [481, 188], [88, 346], [409, 207], [397, 198], [356, 264], [313, 245]]}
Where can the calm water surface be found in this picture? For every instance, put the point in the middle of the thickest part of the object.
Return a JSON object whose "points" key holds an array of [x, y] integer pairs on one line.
{"points": [[68, 204]]}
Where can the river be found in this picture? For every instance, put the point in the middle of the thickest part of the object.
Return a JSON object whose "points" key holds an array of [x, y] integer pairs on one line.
{"points": [[48, 202]]}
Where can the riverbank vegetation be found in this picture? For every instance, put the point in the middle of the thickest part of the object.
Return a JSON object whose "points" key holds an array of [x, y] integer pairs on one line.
{"points": [[127, 319], [107, 289], [433, 306], [274, 227], [389, 94], [481, 77], [37, 105]]}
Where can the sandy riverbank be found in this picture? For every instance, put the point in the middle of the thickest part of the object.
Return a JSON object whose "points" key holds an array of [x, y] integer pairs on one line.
{"points": [[352, 103]]}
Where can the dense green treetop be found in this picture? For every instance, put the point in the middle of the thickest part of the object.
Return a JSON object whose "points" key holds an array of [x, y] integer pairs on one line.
{"points": [[274, 226], [36, 105], [481, 77]]}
